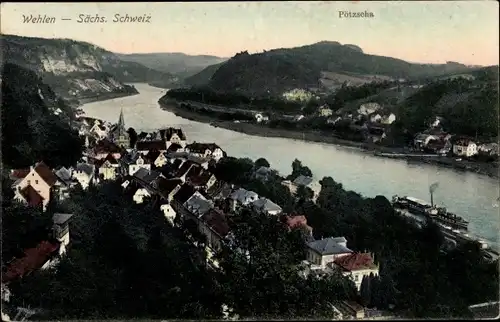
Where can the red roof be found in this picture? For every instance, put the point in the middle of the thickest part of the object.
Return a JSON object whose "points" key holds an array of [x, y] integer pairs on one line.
{"points": [[46, 173], [355, 261], [19, 173], [31, 196], [34, 258]]}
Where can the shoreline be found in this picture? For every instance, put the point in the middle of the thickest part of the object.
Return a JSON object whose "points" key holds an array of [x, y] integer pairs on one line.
{"points": [[99, 98], [487, 169]]}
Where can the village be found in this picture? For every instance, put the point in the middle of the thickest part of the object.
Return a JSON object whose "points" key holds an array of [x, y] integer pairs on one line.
{"points": [[163, 166], [371, 124]]}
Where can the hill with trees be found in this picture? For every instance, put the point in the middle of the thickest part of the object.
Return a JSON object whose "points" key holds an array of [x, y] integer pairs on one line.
{"points": [[280, 70], [36, 123]]}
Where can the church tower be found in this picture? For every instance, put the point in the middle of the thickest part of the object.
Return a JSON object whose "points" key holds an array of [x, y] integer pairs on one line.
{"points": [[120, 135]]}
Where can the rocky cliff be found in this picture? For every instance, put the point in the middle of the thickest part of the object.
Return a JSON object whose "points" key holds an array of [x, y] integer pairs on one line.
{"points": [[78, 70]]}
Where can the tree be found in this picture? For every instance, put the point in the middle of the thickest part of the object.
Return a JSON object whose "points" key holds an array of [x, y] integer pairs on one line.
{"points": [[298, 169], [261, 162], [271, 271], [132, 136]]}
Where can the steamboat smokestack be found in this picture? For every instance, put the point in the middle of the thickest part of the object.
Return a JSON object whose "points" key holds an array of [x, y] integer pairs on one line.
{"points": [[432, 188]]}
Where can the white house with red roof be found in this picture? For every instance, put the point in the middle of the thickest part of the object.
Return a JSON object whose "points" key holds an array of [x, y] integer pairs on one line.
{"points": [[34, 185], [356, 266]]}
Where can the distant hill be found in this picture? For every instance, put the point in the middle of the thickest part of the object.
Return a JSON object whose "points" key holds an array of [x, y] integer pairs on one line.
{"points": [[78, 69], [179, 64], [203, 77], [323, 66]]}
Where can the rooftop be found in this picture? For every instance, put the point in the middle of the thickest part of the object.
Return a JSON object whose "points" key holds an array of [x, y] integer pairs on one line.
{"points": [[59, 218], [217, 221], [303, 180], [330, 246], [356, 261], [34, 258]]}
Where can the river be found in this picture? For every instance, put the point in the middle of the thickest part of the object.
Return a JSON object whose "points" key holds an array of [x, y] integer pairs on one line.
{"points": [[470, 195]]}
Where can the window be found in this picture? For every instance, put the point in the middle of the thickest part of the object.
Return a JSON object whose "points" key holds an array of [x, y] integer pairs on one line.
{"points": [[29, 181], [356, 278], [36, 181]]}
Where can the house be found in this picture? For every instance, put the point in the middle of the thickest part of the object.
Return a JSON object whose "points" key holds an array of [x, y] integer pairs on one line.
{"points": [[202, 181], [206, 150], [464, 147], [368, 108], [350, 310], [180, 197], [60, 230], [173, 135], [488, 149], [242, 197], [303, 181], [375, 117], [84, 173], [325, 111], [185, 169], [423, 139], [34, 186], [220, 190], [118, 133], [174, 147], [43, 256], [158, 160], [145, 147], [215, 227], [147, 178], [107, 168], [266, 206], [167, 188], [197, 205], [357, 266], [140, 194], [324, 251], [388, 119], [64, 183], [105, 147], [98, 130], [261, 118], [133, 161]]}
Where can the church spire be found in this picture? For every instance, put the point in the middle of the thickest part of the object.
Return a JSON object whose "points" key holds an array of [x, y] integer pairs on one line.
{"points": [[121, 121]]}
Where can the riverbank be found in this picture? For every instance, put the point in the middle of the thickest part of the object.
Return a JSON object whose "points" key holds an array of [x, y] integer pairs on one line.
{"points": [[488, 169], [105, 97]]}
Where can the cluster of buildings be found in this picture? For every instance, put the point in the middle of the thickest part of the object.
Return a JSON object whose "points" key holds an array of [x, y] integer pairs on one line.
{"points": [[435, 140], [162, 168]]}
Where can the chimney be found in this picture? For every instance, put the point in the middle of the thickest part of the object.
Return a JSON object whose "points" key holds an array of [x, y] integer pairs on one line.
{"points": [[432, 199]]}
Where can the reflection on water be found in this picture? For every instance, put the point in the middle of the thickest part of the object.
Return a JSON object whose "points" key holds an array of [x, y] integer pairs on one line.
{"points": [[467, 194]]}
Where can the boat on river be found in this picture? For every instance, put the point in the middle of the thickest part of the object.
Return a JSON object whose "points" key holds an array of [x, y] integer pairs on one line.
{"points": [[430, 211]]}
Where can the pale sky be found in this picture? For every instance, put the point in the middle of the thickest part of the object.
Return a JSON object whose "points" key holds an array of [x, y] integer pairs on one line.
{"points": [[427, 32]]}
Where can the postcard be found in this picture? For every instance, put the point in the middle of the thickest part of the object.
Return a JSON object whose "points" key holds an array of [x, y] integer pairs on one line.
{"points": [[250, 160]]}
